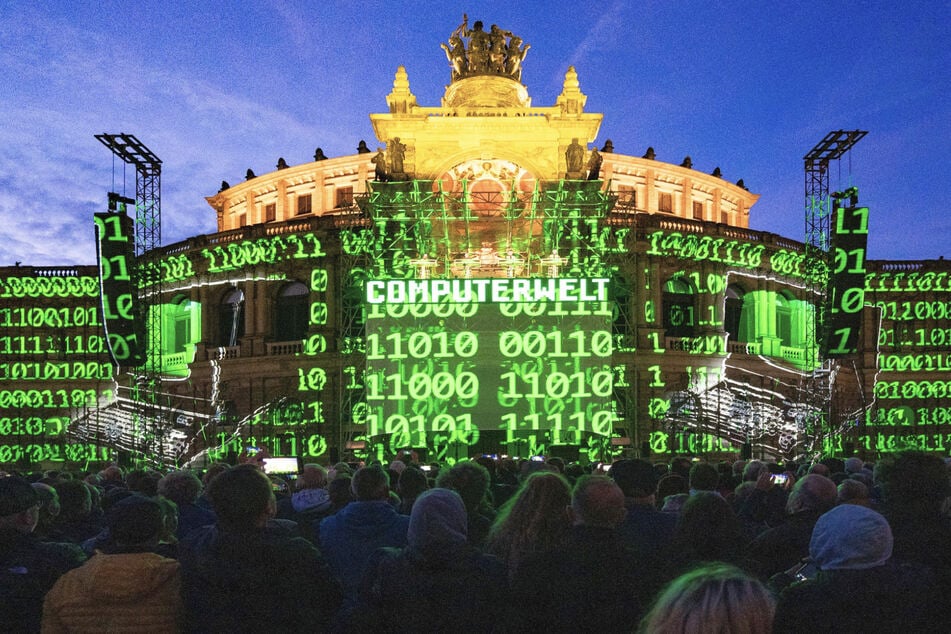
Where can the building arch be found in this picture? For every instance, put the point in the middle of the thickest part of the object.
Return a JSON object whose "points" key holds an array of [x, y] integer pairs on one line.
{"points": [[289, 317], [679, 307], [231, 311]]}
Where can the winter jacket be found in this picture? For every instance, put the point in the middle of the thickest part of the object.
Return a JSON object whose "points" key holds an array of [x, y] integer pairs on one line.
{"points": [[129, 592], [28, 569], [255, 580], [349, 537]]}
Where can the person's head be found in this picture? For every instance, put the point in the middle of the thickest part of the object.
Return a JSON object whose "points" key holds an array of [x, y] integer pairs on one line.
{"points": [[437, 522], [537, 507], [213, 471], [752, 470], [681, 466], [143, 481], [813, 493], [340, 492], [708, 527], [704, 477], [470, 480], [75, 499], [242, 497], [716, 597], [19, 505], [111, 475], [854, 465], [597, 501], [820, 469], [912, 480], [312, 476], [556, 463], [49, 502], [853, 492], [489, 463], [670, 485], [851, 537], [181, 487], [637, 478], [135, 524], [370, 484], [412, 483]]}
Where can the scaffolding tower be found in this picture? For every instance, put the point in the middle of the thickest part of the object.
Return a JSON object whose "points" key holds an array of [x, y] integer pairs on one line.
{"points": [[151, 425], [818, 215]]}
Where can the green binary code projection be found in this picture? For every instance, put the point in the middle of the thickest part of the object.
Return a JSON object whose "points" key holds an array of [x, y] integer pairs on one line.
{"points": [[534, 364]]}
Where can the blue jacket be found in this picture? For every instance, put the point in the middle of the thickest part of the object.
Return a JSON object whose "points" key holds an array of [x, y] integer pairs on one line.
{"points": [[348, 538]]}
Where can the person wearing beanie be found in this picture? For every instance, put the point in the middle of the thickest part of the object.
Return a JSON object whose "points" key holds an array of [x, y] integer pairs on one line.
{"points": [[28, 567], [438, 577], [857, 587], [125, 587]]}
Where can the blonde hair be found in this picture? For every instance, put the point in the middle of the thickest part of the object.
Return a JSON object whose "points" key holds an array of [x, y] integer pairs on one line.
{"points": [[714, 598]]}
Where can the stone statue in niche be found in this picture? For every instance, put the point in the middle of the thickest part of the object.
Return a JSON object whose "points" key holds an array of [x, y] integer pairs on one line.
{"points": [[397, 152], [574, 157], [379, 164], [594, 165]]}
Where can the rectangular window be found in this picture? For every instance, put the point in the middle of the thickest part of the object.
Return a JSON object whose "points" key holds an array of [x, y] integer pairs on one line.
{"points": [[665, 202], [270, 212], [725, 216], [697, 210], [626, 198], [344, 197], [304, 204], [243, 220]]}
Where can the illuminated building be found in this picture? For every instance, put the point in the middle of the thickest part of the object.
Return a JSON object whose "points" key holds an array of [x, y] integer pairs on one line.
{"points": [[488, 281]]}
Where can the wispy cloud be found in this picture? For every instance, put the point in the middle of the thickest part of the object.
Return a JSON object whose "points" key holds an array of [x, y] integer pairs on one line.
{"points": [[55, 175]]}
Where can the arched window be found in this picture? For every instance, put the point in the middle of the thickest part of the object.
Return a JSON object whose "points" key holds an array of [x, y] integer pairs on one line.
{"points": [[231, 318], [679, 308], [290, 312], [182, 319], [733, 313], [784, 313]]}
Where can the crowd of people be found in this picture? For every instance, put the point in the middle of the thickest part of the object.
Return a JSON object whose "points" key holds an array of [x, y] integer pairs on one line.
{"points": [[484, 545]]}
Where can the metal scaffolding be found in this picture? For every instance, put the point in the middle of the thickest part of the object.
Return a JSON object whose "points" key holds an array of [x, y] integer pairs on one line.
{"points": [[816, 388], [150, 417]]}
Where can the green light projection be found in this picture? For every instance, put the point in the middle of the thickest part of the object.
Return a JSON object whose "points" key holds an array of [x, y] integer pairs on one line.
{"points": [[53, 362], [125, 335], [482, 307], [540, 371]]}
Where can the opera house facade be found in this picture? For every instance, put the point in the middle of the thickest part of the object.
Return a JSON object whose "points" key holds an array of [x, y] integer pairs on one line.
{"points": [[490, 277]]}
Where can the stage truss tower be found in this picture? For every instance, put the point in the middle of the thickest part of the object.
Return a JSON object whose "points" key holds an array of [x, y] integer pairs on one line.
{"points": [[151, 423], [818, 216]]}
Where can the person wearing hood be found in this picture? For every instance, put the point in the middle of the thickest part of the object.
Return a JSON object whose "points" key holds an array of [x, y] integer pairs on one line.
{"points": [[349, 537], [310, 501], [857, 587], [125, 587], [439, 581]]}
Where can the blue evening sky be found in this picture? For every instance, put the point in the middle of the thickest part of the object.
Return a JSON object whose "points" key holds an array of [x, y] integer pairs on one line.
{"points": [[214, 88]]}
